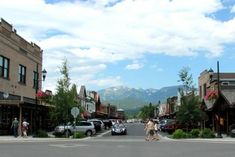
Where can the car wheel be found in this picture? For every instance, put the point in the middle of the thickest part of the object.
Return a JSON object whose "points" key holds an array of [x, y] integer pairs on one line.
{"points": [[89, 133]]}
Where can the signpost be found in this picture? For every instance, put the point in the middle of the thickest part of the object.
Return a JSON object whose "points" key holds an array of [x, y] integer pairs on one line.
{"points": [[75, 112]]}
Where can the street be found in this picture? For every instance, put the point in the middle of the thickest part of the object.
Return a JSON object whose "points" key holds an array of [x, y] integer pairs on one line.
{"points": [[131, 145]]}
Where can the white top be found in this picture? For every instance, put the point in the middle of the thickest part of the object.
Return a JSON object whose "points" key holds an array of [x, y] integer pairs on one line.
{"points": [[25, 123]]}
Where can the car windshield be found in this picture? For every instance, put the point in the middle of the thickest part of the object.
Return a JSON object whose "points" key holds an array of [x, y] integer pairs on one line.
{"points": [[119, 126]]}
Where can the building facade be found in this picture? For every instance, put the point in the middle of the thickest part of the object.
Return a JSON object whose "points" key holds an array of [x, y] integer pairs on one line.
{"points": [[219, 103], [20, 70]]}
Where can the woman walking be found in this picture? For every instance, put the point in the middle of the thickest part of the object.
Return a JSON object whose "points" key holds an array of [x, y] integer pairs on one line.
{"points": [[149, 128], [25, 128]]}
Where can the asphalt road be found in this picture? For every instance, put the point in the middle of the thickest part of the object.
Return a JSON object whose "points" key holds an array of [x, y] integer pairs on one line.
{"points": [[131, 145]]}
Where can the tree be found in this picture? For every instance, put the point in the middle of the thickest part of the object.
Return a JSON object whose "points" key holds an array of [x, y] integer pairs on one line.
{"points": [[186, 79], [64, 98], [147, 111], [189, 112]]}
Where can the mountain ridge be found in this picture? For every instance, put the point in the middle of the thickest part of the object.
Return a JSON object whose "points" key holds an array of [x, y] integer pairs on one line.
{"points": [[131, 98]]}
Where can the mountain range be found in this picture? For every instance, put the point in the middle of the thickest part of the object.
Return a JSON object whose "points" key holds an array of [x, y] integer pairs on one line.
{"points": [[132, 98]]}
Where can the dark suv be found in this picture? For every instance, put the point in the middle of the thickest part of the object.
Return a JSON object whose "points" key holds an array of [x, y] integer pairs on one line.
{"points": [[107, 123]]}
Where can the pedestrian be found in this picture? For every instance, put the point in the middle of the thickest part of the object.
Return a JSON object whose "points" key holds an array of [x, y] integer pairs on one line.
{"points": [[14, 127], [156, 128], [149, 128], [25, 125]]}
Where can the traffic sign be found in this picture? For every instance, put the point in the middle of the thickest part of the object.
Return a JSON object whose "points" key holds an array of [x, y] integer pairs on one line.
{"points": [[75, 112]]}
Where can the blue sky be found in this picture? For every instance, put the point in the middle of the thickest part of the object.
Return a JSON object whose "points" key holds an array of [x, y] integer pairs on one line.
{"points": [[135, 43]]}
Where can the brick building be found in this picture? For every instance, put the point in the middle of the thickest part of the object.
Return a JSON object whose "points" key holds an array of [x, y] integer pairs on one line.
{"points": [[220, 107], [20, 70]]}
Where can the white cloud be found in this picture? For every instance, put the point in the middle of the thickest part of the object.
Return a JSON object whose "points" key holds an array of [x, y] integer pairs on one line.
{"points": [[159, 69], [90, 34], [107, 81], [134, 66], [89, 69]]}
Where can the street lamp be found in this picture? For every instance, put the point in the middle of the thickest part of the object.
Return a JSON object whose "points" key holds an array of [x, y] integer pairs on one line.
{"points": [[44, 72], [218, 88], [211, 72]]}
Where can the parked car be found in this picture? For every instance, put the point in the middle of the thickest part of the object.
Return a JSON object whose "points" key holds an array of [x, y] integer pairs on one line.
{"points": [[99, 125], [107, 123], [162, 124], [119, 129], [87, 127], [171, 126]]}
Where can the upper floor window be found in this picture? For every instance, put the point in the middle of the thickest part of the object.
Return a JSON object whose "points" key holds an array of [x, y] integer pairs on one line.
{"points": [[204, 89], [22, 74], [4, 67], [35, 79], [200, 91]]}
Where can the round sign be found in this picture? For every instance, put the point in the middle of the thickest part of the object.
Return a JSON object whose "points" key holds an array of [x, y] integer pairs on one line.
{"points": [[75, 111], [5, 95]]}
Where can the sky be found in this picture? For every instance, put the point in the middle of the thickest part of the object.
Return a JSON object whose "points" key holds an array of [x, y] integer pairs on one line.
{"points": [[134, 43]]}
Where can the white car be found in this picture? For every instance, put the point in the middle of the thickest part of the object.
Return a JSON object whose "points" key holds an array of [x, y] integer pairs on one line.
{"points": [[87, 127]]}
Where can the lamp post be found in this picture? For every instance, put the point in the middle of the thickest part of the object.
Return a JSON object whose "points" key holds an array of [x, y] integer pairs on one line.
{"points": [[44, 72], [218, 88]]}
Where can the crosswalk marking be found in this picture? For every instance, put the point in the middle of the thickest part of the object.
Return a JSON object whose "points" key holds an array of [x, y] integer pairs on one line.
{"points": [[68, 145]]}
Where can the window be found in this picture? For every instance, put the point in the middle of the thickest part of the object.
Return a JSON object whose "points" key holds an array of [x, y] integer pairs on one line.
{"points": [[200, 92], [22, 74], [204, 89], [35, 79], [4, 67], [225, 83]]}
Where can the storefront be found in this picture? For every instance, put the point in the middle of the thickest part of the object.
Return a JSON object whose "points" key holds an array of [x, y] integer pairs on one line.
{"points": [[10, 109]]}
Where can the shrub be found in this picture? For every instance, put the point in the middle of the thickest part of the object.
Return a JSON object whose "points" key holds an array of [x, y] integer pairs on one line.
{"points": [[58, 134], [179, 133], [195, 133], [79, 134], [188, 135], [207, 133], [41, 133]]}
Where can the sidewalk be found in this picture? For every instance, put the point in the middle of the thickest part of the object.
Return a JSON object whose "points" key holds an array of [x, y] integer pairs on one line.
{"points": [[12, 139], [225, 139]]}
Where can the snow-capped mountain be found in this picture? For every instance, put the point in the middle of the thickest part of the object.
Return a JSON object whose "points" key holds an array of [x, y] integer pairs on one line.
{"points": [[125, 97]]}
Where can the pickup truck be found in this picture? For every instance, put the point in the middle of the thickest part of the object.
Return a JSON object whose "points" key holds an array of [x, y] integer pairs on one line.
{"points": [[87, 127]]}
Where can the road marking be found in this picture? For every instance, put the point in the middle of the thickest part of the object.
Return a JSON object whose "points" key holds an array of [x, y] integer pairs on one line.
{"points": [[104, 133], [68, 145], [120, 140]]}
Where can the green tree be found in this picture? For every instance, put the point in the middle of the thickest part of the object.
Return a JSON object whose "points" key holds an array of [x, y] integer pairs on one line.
{"points": [[186, 79], [189, 112], [64, 98], [147, 111]]}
